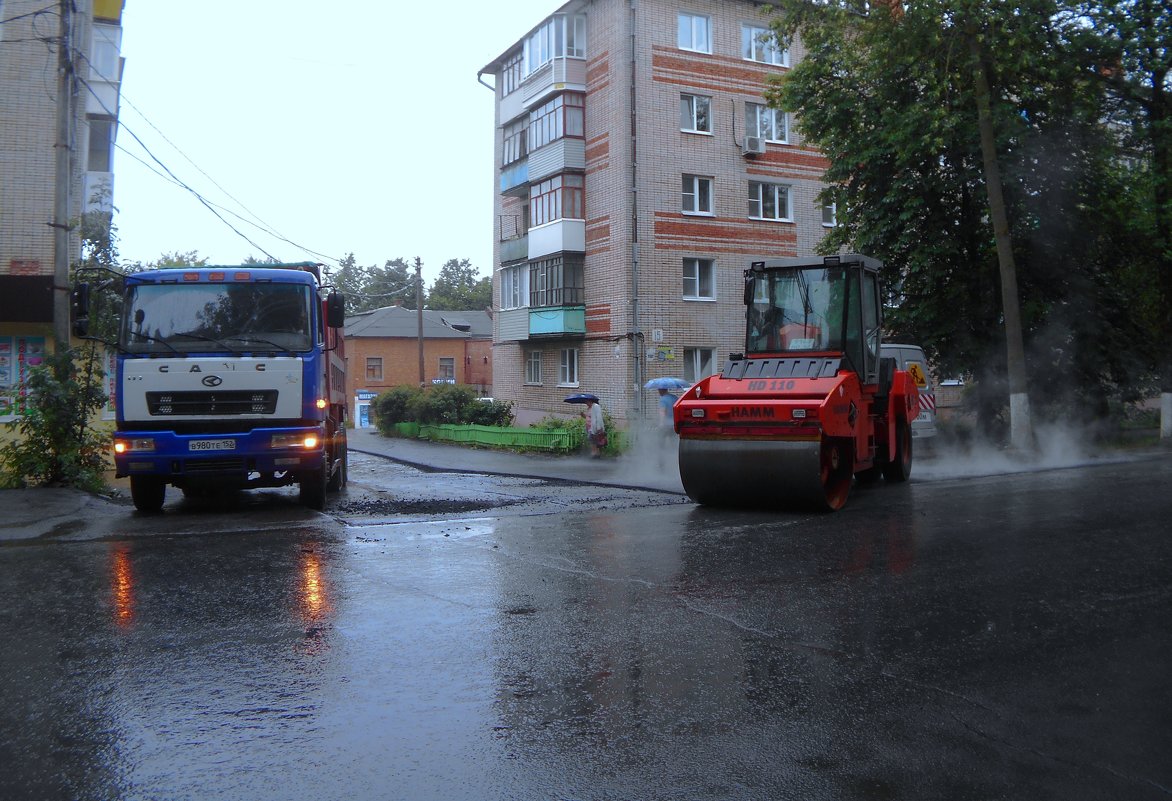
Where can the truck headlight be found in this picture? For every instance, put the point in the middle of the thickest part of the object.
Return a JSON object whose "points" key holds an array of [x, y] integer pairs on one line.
{"points": [[306, 441], [134, 445]]}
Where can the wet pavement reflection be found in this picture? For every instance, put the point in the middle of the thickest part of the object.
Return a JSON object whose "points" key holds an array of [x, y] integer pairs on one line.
{"points": [[996, 637]]}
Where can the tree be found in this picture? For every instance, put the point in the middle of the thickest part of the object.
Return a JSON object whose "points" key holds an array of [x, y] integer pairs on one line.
{"points": [[892, 99], [190, 258], [458, 288], [368, 288], [1127, 48]]}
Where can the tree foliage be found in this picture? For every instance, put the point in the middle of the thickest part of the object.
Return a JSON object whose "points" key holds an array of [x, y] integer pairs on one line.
{"points": [[57, 445], [373, 287], [889, 98], [444, 403], [458, 287]]}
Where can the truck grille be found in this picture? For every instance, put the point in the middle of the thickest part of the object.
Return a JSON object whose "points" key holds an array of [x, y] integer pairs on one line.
{"points": [[194, 467], [234, 402]]}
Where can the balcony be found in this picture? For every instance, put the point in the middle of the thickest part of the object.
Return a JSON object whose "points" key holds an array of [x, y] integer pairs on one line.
{"points": [[550, 321], [557, 236], [515, 179], [516, 249], [558, 75], [560, 155]]}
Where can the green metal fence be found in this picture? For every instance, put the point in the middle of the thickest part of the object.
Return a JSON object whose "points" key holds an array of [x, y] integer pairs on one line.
{"points": [[497, 437]]}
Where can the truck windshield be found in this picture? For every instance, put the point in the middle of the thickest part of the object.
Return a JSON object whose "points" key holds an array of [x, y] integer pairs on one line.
{"points": [[244, 317], [796, 310]]}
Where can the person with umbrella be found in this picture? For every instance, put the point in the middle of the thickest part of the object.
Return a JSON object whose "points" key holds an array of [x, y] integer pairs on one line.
{"points": [[667, 400], [595, 425]]}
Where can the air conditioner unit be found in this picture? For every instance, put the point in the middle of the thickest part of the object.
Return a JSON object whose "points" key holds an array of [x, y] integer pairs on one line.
{"points": [[754, 144]]}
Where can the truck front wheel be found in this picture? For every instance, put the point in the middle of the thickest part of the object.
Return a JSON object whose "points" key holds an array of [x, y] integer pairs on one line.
{"points": [[313, 488], [148, 493]]}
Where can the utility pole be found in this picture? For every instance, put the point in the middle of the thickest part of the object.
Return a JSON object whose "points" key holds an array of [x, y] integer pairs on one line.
{"points": [[419, 311], [63, 180]]}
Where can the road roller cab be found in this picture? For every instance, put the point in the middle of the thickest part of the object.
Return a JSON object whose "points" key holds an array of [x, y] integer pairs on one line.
{"points": [[809, 405]]}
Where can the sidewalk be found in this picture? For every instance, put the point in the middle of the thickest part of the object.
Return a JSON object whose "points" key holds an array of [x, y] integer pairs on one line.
{"points": [[45, 512], [649, 465]]}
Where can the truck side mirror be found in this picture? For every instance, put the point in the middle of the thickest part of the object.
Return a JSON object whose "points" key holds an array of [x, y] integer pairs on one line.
{"points": [[748, 290], [336, 310], [79, 307]]}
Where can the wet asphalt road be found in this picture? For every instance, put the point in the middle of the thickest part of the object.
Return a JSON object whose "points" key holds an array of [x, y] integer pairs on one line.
{"points": [[988, 637]]}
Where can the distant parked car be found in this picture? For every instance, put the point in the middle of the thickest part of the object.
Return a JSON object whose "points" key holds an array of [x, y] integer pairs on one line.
{"points": [[911, 358]]}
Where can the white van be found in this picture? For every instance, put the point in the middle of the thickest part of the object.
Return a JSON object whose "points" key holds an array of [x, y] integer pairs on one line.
{"points": [[911, 358]]}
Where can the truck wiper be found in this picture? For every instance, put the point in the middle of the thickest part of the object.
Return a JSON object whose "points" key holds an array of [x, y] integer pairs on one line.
{"points": [[149, 338], [202, 338], [261, 339]]}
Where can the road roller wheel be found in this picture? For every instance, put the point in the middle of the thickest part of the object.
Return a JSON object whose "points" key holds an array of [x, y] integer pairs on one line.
{"points": [[837, 472], [899, 466]]}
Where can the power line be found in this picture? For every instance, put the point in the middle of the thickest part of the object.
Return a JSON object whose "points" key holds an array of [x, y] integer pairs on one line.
{"points": [[45, 10], [167, 169], [212, 207]]}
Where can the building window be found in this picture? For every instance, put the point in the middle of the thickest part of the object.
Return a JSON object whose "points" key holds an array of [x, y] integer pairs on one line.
{"points": [[697, 195], [557, 198], [562, 35], [557, 281], [515, 144], [759, 44], [447, 368], [511, 74], [561, 116], [695, 33], [698, 279], [830, 215], [515, 287], [768, 201], [568, 368], [770, 123], [374, 368], [698, 363], [533, 367], [101, 144], [694, 114]]}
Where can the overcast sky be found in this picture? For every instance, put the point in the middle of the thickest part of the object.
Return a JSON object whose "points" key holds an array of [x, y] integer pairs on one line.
{"points": [[350, 126]]}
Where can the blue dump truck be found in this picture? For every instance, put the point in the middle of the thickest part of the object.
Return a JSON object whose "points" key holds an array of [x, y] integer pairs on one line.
{"points": [[227, 378]]}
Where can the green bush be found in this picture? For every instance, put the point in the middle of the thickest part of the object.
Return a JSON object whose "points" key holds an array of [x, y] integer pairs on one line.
{"points": [[393, 407], [578, 426], [490, 413], [444, 403], [57, 446]]}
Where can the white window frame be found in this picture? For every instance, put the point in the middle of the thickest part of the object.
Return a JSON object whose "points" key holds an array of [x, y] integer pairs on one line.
{"points": [[699, 363], [694, 33], [568, 367], [830, 220], [763, 121], [447, 367], [699, 279], [695, 189], [690, 113], [560, 36], [533, 368], [757, 41], [515, 287], [758, 200]]}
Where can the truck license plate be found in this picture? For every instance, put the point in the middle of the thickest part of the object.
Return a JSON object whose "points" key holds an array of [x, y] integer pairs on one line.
{"points": [[211, 445]]}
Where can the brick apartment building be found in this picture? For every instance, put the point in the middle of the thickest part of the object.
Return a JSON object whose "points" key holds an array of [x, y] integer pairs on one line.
{"points": [[638, 173], [28, 112], [382, 351]]}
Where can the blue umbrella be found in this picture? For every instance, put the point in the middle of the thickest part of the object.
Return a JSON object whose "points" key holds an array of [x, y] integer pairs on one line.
{"points": [[582, 397], [668, 383]]}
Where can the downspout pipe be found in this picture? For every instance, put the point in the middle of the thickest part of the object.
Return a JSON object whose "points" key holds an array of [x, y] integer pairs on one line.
{"points": [[636, 333]]}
